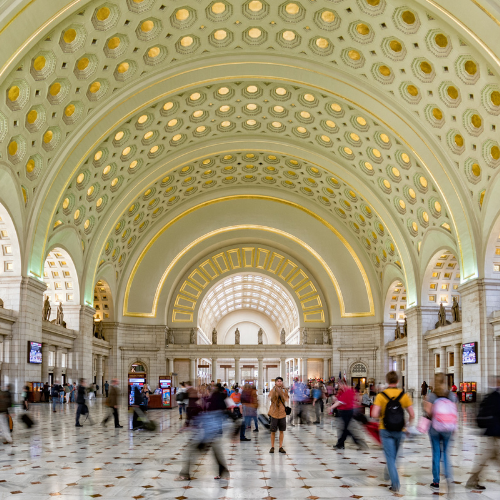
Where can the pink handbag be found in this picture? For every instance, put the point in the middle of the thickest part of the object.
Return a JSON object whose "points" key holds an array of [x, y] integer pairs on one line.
{"points": [[424, 425]]}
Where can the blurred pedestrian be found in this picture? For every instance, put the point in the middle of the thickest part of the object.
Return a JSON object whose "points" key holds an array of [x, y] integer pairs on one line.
{"points": [[423, 389], [317, 397], [346, 402], [441, 408], [82, 408], [245, 399], [488, 419], [389, 406], [112, 402], [106, 388], [5, 404], [54, 394], [207, 432], [67, 392], [181, 398], [136, 423], [193, 408], [25, 395], [279, 397]]}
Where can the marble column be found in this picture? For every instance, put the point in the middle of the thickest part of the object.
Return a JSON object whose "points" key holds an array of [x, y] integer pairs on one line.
{"points": [[457, 362], [45, 362], [303, 362], [170, 365], [283, 369], [83, 362], [442, 360], [326, 371], [237, 371], [260, 374], [57, 366], [214, 369], [192, 370], [99, 373]]}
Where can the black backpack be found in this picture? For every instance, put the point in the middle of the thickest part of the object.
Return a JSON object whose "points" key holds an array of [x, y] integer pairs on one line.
{"points": [[487, 414], [394, 416]]}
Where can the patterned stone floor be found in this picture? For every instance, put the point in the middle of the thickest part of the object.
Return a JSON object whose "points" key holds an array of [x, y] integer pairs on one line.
{"points": [[56, 459]]}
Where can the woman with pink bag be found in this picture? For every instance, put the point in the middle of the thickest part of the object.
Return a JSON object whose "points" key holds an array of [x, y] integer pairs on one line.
{"points": [[441, 408]]}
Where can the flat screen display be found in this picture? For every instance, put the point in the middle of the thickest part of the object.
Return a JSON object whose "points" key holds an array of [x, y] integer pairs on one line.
{"points": [[34, 352], [469, 353]]}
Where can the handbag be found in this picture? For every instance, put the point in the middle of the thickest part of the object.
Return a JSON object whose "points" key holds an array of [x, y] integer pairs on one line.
{"points": [[424, 425], [288, 410]]}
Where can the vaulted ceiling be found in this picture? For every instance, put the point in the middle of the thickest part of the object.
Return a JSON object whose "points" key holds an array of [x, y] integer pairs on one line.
{"points": [[378, 115]]}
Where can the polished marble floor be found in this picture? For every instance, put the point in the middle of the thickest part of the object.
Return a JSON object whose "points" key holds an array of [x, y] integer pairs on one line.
{"points": [[56, 459]]}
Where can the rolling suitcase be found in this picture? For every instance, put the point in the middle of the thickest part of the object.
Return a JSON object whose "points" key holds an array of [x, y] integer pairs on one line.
{"points": [[265, 420], [26, 420]]}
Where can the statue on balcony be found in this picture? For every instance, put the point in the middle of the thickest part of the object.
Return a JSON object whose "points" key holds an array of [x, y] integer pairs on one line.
{"points": [[397, 331], [326, 338], [405, 328], [169, 336], [98, 329], [304, 337], [60, 316], [237, 337], [282, 336], [442, 321], [455, 311], [259, 336], [193, 336], [46, 309], [214, 336]]}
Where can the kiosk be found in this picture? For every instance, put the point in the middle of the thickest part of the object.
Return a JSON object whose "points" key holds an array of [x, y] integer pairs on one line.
{"points": [[135, 380], [467, 392], [165, 384]]}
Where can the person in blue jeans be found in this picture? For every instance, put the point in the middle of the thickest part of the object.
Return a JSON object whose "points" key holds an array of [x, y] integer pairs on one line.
{"points": [[392, 439], [441, 407], [54, 393]]}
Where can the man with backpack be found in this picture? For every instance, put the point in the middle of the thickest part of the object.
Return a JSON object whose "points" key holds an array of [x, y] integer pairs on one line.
{"points": [[389, 406], [488, 418], [54, 394]]}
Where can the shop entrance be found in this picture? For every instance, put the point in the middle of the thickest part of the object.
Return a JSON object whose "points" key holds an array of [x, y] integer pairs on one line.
{"points": [[359, 376], [358, 383]]}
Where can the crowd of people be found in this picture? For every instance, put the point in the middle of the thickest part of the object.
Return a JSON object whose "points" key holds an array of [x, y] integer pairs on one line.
{"points": [[210, 408]]}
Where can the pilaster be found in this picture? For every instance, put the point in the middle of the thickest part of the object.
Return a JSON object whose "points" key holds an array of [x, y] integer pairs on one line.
{"points": [[83, 344]]}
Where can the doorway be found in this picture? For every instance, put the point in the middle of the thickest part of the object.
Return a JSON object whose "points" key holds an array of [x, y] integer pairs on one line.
{"points": [[358, 383], [450, 377]]}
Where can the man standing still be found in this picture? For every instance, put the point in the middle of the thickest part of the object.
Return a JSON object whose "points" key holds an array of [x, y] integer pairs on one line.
{"points": [[279, 397], [106, 388], [112, 404], [82, 408], [389, 406]]}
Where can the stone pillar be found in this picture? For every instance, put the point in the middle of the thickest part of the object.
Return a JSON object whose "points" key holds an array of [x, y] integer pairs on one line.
{"points": [[260, 375], [99, 373], [237, 370], [226, 379], [57, 365], [45, 362], [192, 370], [28, 327], [417, 350], [326, 371], [457, 357], [170, 366], [442, 359], [214, 369], [479, 299], [283, 369], [303, 362], [83, 363]]}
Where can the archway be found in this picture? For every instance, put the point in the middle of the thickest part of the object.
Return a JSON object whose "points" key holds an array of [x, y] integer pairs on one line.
{"points": [[252, 291], [61, 278]]}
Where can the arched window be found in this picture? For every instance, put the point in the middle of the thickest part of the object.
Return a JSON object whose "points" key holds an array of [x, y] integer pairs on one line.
{"points": [[59, 274], [441, 280], [103, 302], [10, 260], [395, 303]]}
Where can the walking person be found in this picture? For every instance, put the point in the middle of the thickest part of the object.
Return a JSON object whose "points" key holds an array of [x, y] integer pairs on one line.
{"points": [[488, 419], [389, 406], [54, 394], [207, 430], [317, 397], [423, 389], [441, 408], [67, 392], [279, 397], [106, 388], [82, 408], [112, 402], [5, 404], [346, 401], [246, 397], [182, 399]]}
